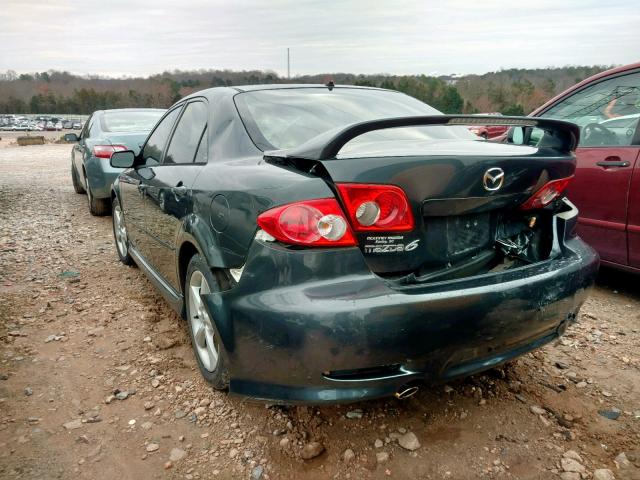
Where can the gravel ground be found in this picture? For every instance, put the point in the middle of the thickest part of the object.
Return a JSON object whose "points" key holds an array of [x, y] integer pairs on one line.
{"points": [[97, 379]]}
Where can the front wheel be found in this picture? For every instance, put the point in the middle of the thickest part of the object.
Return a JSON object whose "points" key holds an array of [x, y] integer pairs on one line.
{"points": [[120, 234], [206, 342]]}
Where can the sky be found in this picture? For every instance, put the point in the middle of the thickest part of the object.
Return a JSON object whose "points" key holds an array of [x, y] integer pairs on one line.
{"points": [[140, 37]]}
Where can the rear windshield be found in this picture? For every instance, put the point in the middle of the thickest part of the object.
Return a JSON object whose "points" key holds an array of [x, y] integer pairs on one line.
{"points": [[135, 121], [287, 118]]}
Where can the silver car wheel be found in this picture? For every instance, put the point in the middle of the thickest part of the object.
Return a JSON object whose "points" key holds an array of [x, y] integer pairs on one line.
{"points": [[201, 326], [120, 231], [87, 189]]}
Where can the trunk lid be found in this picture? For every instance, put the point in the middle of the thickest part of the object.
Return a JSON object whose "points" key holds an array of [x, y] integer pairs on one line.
{"points": [[456, 216], [460, 191], [133, 141]]}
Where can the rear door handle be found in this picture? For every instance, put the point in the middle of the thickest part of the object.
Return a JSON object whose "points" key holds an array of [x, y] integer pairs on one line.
{"points": [[613, 163]]}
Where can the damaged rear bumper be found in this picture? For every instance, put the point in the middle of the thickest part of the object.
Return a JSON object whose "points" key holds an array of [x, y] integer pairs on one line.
{"points": [[316, 326]]}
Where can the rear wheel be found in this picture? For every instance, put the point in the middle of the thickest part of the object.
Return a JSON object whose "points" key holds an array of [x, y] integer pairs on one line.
{"points": [[120, 234], [77, 186], [206, 343], [97, 206]]}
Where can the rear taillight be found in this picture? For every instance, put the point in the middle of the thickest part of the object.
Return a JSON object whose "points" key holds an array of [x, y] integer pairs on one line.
{"points": [[312, 223], [547, 194], [105, 151], [376, 207]]}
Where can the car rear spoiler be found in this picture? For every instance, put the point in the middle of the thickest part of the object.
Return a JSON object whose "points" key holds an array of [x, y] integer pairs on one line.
{"points": [[559, 135]]}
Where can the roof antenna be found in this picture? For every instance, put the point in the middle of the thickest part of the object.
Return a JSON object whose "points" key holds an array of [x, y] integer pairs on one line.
{"points": [[330, 85]]}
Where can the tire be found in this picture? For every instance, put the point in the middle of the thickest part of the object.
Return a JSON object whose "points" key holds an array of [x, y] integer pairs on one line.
{"points": [[77, 186], [98, 207], [202, 329], [120, 234]]}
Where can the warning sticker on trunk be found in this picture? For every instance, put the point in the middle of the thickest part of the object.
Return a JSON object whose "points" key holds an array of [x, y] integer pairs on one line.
{"points": [[389, 244]]}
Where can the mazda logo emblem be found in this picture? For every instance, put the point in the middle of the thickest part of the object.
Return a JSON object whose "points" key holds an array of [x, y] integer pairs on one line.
{"points": [[493, 179]]}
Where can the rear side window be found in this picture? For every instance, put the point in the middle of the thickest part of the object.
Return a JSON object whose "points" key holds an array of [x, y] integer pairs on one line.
{"points": [[86, 127], [203, 149], [154, 147], [187, 134], [94, 128]]}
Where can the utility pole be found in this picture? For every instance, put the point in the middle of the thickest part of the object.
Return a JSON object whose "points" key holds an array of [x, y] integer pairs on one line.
{"points": [[288, 65]]}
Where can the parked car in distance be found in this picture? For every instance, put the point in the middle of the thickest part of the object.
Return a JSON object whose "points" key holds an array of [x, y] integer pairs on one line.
{"points": [[606, 187], [489, 131], [76, 126], [21, 126], [105, 132], [322, 252]]}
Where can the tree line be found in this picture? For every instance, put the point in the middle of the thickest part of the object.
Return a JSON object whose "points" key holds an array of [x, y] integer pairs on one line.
{"points": [[511, 92]]}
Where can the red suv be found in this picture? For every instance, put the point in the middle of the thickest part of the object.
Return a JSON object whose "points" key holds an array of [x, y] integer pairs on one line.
{"points": [[606, 187]]}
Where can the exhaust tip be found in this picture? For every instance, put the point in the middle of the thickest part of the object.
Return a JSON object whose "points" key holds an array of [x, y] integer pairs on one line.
{"points": [[406, 392]]}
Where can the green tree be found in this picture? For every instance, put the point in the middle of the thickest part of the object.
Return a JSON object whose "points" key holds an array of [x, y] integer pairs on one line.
{"points": [[14, 105], [549, 87], [388, 84], [450, 101], [513, 109]]}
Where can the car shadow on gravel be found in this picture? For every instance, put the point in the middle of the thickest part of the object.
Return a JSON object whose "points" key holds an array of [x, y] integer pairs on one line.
{"points": [[619, 282]]}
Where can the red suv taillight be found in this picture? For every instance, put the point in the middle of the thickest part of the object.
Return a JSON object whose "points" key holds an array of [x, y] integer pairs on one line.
{"points": [[374, 208], [547, 194], [105, 151], [313, 223]]}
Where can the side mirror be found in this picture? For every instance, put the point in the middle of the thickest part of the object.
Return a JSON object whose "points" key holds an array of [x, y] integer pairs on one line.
{"points": [[71, 137], [122, 159]]}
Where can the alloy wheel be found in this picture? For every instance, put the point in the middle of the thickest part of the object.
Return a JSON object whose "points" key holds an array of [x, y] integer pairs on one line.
{"points": [[87, 189], [120, 231], [201, 326]]}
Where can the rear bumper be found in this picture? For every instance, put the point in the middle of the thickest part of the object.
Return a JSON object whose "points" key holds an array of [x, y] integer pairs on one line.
{"points": [[318, 326], [101, 176]]}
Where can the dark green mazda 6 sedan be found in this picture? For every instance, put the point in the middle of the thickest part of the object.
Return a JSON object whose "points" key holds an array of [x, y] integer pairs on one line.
{"points": [[334, 244]]}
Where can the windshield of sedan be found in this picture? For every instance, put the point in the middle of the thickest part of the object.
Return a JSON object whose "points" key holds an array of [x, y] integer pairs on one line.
{"points": [[287, 118], [131, 121]]}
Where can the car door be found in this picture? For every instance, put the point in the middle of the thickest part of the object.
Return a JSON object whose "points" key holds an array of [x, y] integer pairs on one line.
{"points": [[134, 182], [77, 153], [633, 224], [168, 192], [606, 157]]}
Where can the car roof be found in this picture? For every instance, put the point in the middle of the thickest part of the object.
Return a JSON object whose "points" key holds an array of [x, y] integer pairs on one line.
{"points": [[578, 86], [211, 93], [110, 110], [281, 86]]}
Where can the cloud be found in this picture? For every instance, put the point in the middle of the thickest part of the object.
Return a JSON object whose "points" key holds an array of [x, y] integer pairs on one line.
{"points": [[136, 37]]}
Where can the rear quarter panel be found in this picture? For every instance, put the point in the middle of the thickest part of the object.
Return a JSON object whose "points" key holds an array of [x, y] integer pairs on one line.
{"points": [[229, 196]]}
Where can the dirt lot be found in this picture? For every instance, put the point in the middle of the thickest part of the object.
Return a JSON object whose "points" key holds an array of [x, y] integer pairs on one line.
{"points": [[9, 138], [97, 379]]}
